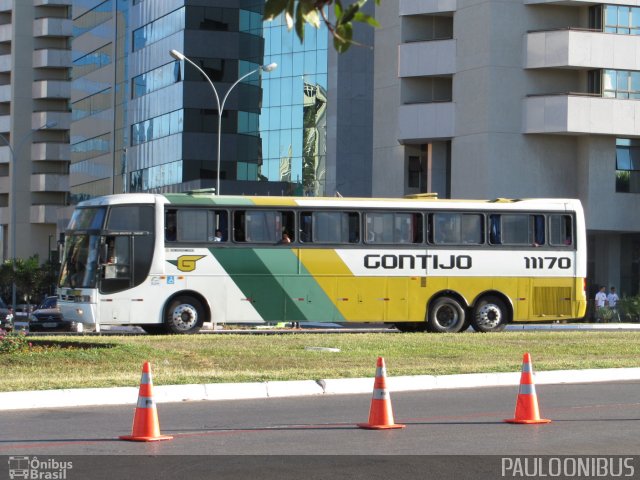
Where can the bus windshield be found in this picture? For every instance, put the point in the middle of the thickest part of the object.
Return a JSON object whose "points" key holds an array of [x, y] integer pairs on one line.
{"points": [[80, 261]]}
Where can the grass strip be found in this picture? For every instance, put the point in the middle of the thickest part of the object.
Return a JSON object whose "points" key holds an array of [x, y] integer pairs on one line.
{"points": [[80, 362]]}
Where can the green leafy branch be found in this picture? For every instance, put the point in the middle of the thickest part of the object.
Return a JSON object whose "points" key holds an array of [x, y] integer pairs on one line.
{"points": [[298, 13]]}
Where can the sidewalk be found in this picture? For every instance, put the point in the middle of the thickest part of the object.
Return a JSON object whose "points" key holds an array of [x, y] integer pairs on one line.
{"points": [[239, 391]]}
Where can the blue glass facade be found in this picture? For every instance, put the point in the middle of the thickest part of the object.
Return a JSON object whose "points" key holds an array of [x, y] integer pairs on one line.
{"points": [[145, 122], [293, 117]]}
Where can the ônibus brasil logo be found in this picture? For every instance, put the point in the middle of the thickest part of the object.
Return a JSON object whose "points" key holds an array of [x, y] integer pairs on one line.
{"points": [[34, 468]]}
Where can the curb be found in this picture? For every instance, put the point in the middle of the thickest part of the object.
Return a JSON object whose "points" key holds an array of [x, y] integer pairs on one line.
{"points": [[82, 397]]}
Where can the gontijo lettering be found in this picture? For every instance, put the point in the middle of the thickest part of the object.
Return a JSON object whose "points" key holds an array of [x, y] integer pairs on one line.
{"points": [[389, 262]]}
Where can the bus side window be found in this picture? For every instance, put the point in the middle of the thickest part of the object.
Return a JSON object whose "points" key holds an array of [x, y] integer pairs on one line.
{"points": [[336, 227], [495, 235], [306, 227], [538, 229], [560, 230], [170, 226], [238, 226]]}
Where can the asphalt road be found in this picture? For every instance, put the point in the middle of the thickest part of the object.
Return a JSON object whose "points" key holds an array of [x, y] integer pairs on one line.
{"points": [[318, 435]]}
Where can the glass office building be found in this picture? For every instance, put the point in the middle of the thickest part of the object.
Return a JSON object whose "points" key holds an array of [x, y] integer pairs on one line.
{"points": [[143, 121]]}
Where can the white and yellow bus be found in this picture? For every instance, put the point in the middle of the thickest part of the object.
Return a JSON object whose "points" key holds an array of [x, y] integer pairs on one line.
{"points": [[170, 262]]}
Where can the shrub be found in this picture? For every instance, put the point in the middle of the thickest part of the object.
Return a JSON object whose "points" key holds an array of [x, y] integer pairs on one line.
{"points": [[13, 342], [630, 308]]}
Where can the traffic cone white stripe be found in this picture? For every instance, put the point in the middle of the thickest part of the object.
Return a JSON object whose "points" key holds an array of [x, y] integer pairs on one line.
{"points": [[381, 394], [145, 379], [146, 402], [527, 389], [381, 372], [526, 368]]}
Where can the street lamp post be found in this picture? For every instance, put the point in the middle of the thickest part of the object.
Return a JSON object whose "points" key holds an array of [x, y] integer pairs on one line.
{"points": [[12, 225], [266, 68]]}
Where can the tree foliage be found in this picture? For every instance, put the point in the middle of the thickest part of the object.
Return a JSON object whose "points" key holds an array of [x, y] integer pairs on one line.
{"points": [[298, 13], [33, 280]]}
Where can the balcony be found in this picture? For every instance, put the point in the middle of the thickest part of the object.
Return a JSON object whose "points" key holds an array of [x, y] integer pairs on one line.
{"points": [[5, 184], [6, 32], [5, 93], [435, 57], [5, 215], [5, 153], [44, 213], [5, 63], [51, 58], [573, 114], [49, 182], [52, 27], [421, 7], [50, 151], [422, 122], [5, 123], [581, 49], [62, 120], [51, 89]]}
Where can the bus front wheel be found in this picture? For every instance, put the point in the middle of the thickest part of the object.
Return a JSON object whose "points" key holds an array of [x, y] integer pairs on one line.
{"points": [[490, 315], [446, 315], [184, 315]]}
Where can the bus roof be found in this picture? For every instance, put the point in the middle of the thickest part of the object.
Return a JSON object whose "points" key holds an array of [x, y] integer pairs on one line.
{"points": [[409, 202]]}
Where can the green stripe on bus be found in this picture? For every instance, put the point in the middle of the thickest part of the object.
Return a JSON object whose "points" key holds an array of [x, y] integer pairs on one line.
{"points": [[270, 278], [300, 287]]}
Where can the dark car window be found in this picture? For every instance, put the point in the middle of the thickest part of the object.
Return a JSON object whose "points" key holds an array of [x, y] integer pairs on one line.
{"points": [[49, 302]]}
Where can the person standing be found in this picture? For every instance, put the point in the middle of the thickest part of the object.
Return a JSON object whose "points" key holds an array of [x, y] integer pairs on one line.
{"points": [[601, 303], [612, 302]]}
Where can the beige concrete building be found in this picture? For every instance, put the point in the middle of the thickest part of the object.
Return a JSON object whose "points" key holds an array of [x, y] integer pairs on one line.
{"points": [[517, 98], [35, 60]]}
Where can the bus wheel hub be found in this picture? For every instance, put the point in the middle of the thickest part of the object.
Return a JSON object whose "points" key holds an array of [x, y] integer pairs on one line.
{"points": [[184, 316], [490, 315]]}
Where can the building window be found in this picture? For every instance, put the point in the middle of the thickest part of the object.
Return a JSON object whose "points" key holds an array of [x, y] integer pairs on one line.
{"points": [[157, 127], [92, 61], [158, 29], [414, 172], [91, 148], [94, 17], [621, 84], [622, 20], [627, 165], [156, 79], [91, 105]]}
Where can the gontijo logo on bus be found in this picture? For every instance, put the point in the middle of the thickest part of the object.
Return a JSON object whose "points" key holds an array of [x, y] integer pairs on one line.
{"points": [[187, 263]]}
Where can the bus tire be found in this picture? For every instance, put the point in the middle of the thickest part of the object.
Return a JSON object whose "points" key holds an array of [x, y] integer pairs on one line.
{"points": [[446, 315], [490, 315], [410, 327], [183, 315]]}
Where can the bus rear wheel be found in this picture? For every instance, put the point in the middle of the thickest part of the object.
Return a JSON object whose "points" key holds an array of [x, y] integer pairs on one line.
{"points": [[490, 315], [446, 315], [184, 315]]}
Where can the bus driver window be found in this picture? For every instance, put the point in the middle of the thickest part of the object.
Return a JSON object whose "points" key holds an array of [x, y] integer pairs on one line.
{"points": [[170, 226]]}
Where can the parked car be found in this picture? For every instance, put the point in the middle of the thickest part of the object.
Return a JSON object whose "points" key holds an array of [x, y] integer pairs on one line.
{"points": [[48, 318]]}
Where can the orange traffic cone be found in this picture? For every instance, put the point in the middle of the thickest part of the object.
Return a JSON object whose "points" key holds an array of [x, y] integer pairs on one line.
{"points": [[380, 413], [145, 421], [527, 402]]}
